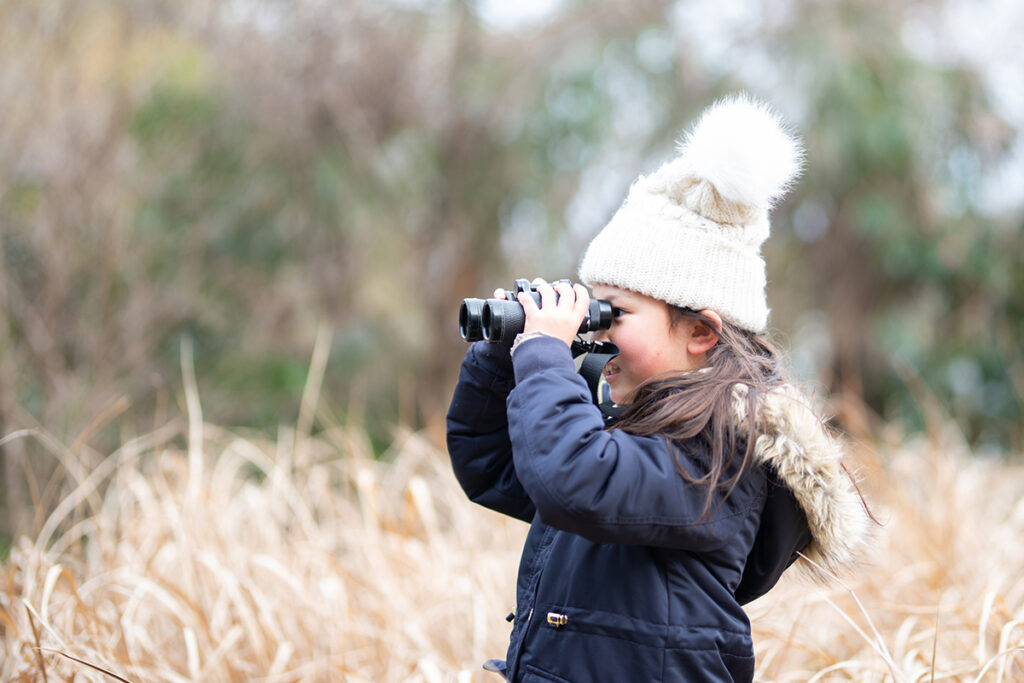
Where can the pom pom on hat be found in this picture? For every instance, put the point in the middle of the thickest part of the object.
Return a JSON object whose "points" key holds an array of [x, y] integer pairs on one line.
{"points": [[691, 233], [740, 147]]}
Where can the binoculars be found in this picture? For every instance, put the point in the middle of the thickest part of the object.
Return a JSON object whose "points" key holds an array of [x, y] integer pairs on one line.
{"points": [[500, 320]]}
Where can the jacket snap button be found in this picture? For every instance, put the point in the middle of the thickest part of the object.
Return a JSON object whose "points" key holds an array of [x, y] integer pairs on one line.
{"points": [[557, 620]]}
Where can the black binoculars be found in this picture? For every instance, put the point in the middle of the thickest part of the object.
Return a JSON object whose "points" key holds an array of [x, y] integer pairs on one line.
{"points": [[500, 320]]}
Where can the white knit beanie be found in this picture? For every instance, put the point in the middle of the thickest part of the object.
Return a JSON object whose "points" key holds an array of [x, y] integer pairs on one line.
{"points": [[691, 233]]}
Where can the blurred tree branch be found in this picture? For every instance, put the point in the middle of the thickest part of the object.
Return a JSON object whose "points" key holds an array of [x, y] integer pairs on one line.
{"points": [[243, 173]]}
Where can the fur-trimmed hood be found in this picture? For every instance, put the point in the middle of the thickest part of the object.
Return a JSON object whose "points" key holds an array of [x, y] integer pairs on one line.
{"points": [[798, 448]]}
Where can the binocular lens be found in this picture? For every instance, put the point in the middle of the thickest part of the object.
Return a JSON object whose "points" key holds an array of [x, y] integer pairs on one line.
{"points": [[502, 320], [471, 319], [495, 320]]}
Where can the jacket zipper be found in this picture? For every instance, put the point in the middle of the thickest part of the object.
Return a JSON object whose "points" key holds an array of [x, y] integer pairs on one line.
{"points": [[543, 549]]}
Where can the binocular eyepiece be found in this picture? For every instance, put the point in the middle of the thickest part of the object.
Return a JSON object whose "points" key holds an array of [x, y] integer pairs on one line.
{"points": [[500, 320]]}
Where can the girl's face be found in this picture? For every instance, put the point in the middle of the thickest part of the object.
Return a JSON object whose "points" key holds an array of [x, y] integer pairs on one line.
{"points": [[648, 344]]}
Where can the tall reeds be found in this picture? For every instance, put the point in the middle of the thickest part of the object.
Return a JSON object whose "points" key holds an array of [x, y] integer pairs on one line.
{"points": [[210, 556], [221, 558]]}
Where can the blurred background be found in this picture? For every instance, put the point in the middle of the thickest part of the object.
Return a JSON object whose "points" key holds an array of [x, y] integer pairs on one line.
{"points": [[242, 178]]}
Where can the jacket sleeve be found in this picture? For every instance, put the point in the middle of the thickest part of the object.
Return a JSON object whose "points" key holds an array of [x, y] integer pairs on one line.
{"points": [[609, 487], [478, 441]]}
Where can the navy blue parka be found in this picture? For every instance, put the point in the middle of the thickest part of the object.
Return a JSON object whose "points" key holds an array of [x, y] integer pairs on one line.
{"points": [[624, 576]]}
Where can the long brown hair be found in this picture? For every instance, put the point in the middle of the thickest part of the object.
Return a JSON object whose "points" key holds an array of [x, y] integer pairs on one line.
{"points": [[695, 408]]}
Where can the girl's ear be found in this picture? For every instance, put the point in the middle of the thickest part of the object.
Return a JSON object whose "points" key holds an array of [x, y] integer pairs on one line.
{"points": [[703, 336]]}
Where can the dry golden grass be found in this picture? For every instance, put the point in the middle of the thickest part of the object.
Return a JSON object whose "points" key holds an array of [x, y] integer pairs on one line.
{"points": [[235, 560], [212, 557], [940, 595]]}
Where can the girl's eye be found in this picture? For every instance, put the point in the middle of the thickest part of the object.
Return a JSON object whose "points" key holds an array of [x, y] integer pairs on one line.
{"points": [[617, 312]]}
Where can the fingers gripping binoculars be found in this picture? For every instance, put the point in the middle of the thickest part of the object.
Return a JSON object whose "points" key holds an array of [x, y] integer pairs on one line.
{"points": [[500, 320]]}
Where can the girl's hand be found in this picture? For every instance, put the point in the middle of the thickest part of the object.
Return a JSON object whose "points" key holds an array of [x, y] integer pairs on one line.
{"points": [[561, 319]]}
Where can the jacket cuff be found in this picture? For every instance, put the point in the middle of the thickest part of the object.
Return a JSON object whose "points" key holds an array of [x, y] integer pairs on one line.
{"points": [[494, 357], [539, 354]]}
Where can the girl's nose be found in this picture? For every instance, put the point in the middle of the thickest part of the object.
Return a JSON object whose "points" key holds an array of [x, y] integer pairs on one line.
{"points": [[600, 336]]}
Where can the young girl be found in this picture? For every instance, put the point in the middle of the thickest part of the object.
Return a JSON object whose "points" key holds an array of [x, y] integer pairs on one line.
{"points": [[646, 538]]}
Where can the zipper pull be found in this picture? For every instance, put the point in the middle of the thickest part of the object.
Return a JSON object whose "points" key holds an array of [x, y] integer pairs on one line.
{"points": [[557, 620]]}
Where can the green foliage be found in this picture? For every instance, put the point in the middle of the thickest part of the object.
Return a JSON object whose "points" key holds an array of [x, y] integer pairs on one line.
{"points": [[365, 169], [891, 145]]}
